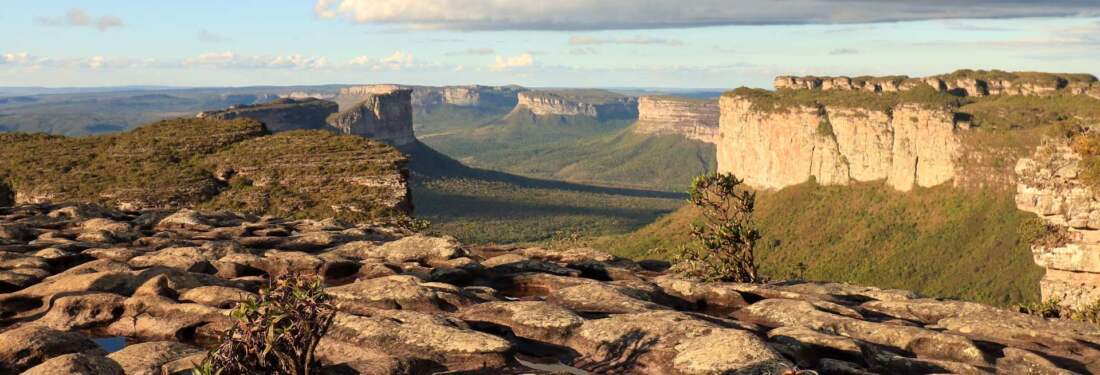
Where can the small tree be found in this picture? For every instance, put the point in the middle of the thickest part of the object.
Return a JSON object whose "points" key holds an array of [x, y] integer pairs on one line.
{"points": [[726, 237], [276, 333]]}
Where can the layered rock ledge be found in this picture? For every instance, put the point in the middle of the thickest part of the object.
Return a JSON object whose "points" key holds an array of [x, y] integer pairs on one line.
{"points": [[416, 304], [692, 118], [1050, 185], [599, 104], [384, 115], [281, 115], [427, 98], [961, 82]]}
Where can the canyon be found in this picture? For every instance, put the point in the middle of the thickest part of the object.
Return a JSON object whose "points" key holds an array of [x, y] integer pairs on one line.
{"points": [[695, 119]]}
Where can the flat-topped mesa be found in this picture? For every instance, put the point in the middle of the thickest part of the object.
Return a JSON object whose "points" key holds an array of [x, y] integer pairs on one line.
{"points": [[961, 82], [600, 104], [774, 140], [428, 97], [1050, 184], [692, 118], [381, 115], [282, 114]]}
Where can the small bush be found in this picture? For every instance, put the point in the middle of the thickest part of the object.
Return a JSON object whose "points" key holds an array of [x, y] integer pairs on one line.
{"points": [[276, 333], [1054, 309], [726, 237]]}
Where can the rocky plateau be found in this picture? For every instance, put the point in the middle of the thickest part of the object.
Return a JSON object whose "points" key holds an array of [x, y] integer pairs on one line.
{"points": [[597, 104], [962, 82], [692, 118], [75, 276]]}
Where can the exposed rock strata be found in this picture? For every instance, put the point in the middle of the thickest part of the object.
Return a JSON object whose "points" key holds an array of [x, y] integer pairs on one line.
{"points": [[385, 116], [426, 98], [1049, 185], [963, 82], [281, 115], [692, 118], [497, 310], [597, 104], [911, 145]]}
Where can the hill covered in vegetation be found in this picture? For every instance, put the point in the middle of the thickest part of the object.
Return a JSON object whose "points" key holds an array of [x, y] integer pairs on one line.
{"points": [[210, 164]]}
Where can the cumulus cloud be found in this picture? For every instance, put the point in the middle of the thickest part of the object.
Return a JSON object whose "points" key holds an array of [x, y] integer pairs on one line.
{"points": [[20, 58], [398, 60], [635, 14], [512, 62], [77, 17], [227, 59], [587, 41]]}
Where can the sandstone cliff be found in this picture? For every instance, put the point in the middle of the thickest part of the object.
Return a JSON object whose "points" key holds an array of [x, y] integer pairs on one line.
{"points": [[415, 304], [961, 82], [599, 104], [384, 115], [908, 144], [1049, 185], [282, 114], [426, 98], [692, 118], [216, 164]]}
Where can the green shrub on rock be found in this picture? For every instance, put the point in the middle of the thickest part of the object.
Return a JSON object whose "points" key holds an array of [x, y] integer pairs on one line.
{"points": [[276, 333], [726, 237]]}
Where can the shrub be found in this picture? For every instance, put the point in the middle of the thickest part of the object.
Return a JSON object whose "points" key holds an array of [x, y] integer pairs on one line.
{"points": [[1053, 308], [276, 333], [726, 236]]}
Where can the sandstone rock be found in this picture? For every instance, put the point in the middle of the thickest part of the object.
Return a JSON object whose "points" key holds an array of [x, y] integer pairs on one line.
{"points": [[383, 116], [604, 298], [81, 311], [28, 346], [397, 292], [216, 296], [927, 311], [425, 337], [160, 318], [416, 248], [281, 115], [148, 357], [692, 118], [535, 320], [781, 313], [600, 105], [671, 343], [77, 364]]}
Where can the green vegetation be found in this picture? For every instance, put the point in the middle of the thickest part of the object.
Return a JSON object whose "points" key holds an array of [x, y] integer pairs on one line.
{"points": [[188, 162], [1021, 77], [277, 333], [624, 158], [1054, 309], [945, 242], [785, 100], [725, 238], [1012, 112], [590, 96]]}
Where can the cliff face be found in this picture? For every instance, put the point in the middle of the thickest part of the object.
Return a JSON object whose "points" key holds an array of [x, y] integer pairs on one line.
{"points": [[282, 114], [1049, 185], [962, 82], [385, 116], [588, 103], [691, 118], [427, 97], [907, 146]]}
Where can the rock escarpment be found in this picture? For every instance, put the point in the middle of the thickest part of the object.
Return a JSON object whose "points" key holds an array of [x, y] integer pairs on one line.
{"points": [[907, 145], [692, 118], [427, 98], [1050, 185], [415, 304], [281, 115], [961, 82], [385, 115], [215, 164], [599, 104]]}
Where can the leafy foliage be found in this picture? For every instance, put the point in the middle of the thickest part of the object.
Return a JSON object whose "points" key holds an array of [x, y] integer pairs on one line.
{"points": [[277, 333], [1054, 309], [726, 237]]}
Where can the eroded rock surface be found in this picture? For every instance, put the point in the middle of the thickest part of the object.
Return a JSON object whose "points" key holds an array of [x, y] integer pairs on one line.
{"points": [[416, 304], [692, 118], [385, 116]]}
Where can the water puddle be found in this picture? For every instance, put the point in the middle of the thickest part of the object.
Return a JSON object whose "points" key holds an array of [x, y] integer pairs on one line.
{"points": [[111, 344]]}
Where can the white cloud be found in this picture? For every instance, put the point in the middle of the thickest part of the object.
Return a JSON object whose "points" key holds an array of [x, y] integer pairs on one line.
{"points": [[636, 14], [227, 59], [484, 51], [360, 60], [398, 60], [77, 17], [588, 41], [512, 62], [20, 58]]}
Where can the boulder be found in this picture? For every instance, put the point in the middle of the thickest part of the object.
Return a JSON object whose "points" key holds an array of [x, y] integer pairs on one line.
{"points": [[147, 358], [536, 320], [77, 364], [25, 347]]}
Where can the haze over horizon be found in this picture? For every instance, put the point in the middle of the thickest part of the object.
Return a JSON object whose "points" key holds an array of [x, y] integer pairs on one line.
{"points": [[580, 43]]}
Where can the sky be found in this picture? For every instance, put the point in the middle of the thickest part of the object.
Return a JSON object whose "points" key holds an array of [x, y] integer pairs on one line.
{"points": [[563, 43]]}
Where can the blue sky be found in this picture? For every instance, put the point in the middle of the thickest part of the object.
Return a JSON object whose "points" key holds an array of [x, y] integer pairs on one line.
{"points": [[580, 43]]}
